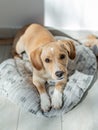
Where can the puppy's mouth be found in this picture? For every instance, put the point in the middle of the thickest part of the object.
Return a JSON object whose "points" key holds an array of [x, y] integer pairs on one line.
{"points": [[60, 78]]}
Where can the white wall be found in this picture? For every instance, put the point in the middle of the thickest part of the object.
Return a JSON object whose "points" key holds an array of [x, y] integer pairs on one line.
{"points": [[72, 14], [68, 14], [16, 13]]}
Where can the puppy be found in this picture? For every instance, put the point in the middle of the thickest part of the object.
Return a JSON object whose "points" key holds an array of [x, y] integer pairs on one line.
{"points": [[49, 59]]}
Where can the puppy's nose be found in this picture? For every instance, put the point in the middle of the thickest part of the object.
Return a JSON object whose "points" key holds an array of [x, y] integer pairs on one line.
{"points": [[59, 73]]}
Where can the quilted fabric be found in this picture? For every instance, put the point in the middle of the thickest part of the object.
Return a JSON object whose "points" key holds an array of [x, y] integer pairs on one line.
{"points": [[16, 83]]}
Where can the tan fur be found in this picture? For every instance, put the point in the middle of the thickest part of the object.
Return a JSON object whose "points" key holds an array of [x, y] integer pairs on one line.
{"points": [[36, 59], [32, 37], [91, 41], [68, 44], [39, 44], [60, 86], [41, 89]]}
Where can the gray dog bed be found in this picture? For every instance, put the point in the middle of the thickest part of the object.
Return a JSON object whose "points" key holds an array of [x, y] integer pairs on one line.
{"points": [[16, 83]]}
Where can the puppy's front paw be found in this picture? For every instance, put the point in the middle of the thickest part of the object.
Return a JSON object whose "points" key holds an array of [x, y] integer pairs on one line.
{"points": [[57, 99], [45, 102]]}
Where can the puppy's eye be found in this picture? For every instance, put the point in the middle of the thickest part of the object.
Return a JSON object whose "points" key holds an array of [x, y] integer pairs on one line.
{"points": [[47, 60], [62, 56]]}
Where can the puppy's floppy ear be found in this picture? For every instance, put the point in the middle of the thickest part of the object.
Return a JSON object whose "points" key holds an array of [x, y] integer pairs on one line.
{"points": [[35, 58], [70, 47]]}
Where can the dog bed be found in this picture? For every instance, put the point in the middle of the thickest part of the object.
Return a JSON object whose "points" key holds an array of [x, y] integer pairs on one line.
{"points": [[16, 83]]}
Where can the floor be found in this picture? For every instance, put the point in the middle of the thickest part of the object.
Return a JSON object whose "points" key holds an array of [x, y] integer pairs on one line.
{"points": [[83, 117]]}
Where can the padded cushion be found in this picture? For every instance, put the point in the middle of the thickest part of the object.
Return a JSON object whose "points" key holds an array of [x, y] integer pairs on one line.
{"points": [[16, 82]]}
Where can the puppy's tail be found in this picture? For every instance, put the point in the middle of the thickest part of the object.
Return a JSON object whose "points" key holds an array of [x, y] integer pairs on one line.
{"points": [[6, 40]]}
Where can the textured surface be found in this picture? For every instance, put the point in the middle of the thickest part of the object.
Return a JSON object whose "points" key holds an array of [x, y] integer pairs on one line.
{"points": [[16, 84]]}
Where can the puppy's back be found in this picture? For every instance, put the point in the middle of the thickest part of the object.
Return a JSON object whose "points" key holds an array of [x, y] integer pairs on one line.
{"points": [[31, 37]]}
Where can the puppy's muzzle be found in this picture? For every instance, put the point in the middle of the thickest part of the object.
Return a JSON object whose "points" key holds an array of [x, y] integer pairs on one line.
{"points": [[59, 74]]}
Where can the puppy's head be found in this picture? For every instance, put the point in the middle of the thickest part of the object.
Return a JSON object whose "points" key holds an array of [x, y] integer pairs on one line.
{"points": [[53, 58]]}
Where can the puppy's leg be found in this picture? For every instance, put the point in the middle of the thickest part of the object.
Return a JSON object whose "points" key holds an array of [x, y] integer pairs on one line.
{"points": [[44, 98], [18, 44], [57, 95], [17, 49]]}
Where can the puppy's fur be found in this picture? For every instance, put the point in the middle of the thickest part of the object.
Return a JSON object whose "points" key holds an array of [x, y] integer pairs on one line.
{"points": [[92, 42], [49, 59]]}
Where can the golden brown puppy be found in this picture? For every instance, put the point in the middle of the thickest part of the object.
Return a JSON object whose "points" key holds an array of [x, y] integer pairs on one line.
{"points": [[49, 59]]}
